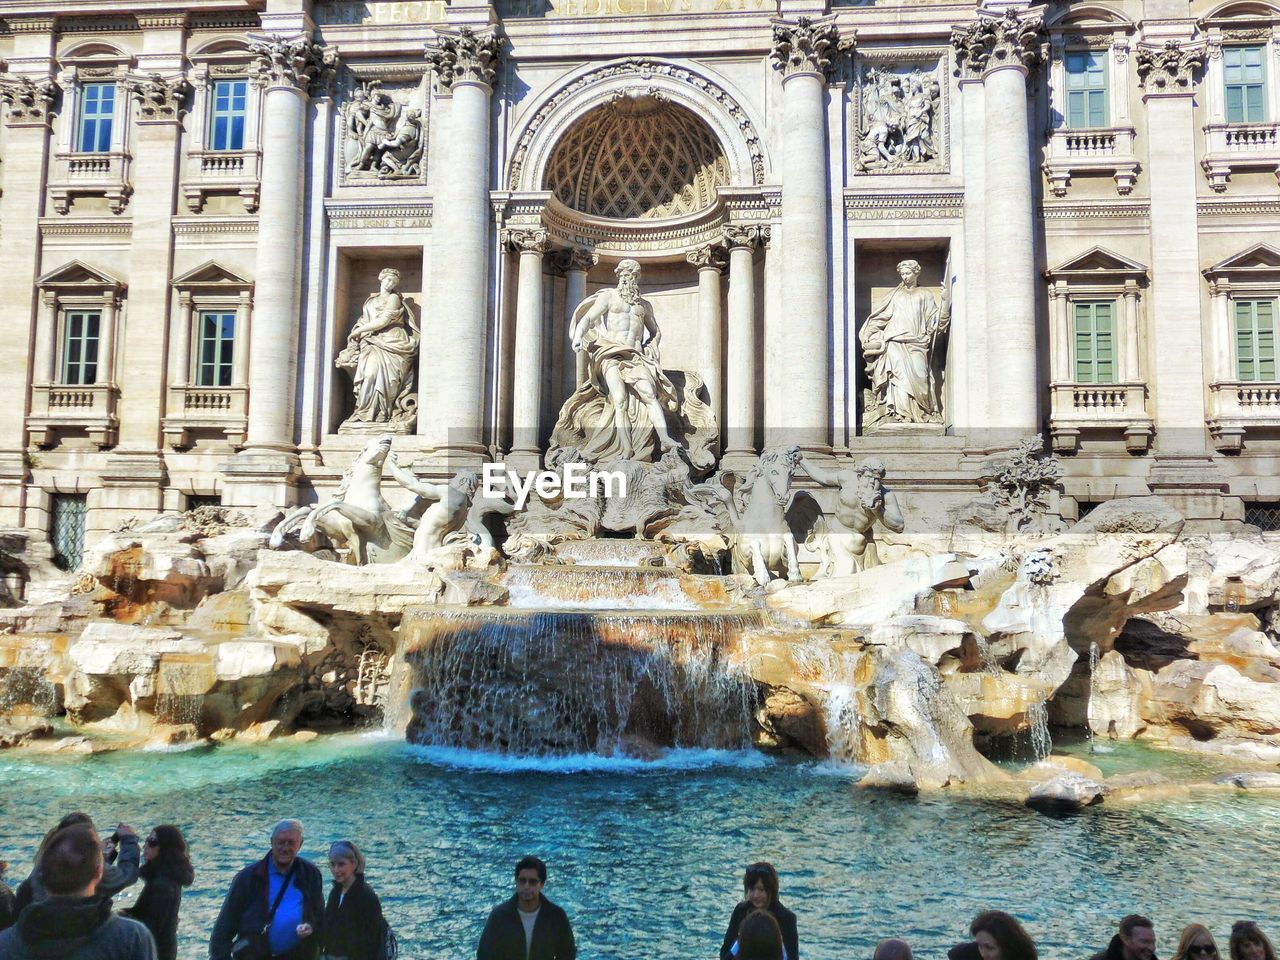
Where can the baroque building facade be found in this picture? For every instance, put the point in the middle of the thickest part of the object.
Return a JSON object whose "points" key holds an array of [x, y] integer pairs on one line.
{"points": [[240, 237]]}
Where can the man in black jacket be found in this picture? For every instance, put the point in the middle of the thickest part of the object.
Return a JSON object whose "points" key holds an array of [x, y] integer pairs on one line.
{"points": [[1136, 940], [247, 909], [528, 926]]}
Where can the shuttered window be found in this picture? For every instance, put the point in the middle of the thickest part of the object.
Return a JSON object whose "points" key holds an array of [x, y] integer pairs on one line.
{"points": [[1245, 77], [1256, 340], [1095, 339], [80, 347], [1086, 89], [217, 341]]}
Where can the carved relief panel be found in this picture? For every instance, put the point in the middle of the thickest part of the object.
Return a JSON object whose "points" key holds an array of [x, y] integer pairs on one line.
{"points": [[383, 132], [900, 105]]}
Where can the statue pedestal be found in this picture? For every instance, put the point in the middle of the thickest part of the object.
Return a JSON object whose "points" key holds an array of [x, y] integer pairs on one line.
{"points": [[894, 429], [364, 428]]}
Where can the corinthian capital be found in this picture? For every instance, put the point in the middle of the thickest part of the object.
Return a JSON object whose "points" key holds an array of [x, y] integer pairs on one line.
{"points": [[808, 46], [526, 239], [710, 257], [159, 99], [30, 101], [1168, 69], [298, 62], [749, 235], [998, 40], [469, 55]]}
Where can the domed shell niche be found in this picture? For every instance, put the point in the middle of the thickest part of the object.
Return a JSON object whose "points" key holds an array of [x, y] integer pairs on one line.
{"points": [[639, 157]]}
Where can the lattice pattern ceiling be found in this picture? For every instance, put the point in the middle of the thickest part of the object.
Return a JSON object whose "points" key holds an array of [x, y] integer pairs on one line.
{"points": [[635, 159]]}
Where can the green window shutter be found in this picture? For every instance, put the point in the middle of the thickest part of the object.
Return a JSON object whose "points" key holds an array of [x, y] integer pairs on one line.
{"points": [[1246, 368], [1076, 110], [1104, 344], [1097, 108], [1264, 312], [1253, 105], [1084, 342], [1235, 104]]}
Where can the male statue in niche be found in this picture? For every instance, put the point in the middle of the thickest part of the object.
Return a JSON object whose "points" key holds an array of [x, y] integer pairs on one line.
{"points": [[622, 407], [381, 355], [901, 341]]}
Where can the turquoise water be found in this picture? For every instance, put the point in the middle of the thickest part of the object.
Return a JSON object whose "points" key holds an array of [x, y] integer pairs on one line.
{"points": [[646, 857]]}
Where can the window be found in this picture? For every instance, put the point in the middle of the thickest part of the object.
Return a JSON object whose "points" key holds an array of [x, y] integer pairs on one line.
{"points": [[217, 339], [1242, 72], [66, 528], [227, 117], [1094, 328], [1262, 514], [80, 332], [97, 108], [1086, 89], [197, 500], [1255, 340]]}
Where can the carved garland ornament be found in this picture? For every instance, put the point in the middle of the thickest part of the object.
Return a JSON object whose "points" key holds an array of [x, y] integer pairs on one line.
{"points": [[299, 62], [638, 66], [30, 101], [810, 46], [467, 56], [992, 41], [1168, 68]]}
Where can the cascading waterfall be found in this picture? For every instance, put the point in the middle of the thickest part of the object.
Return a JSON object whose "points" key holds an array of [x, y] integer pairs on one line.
{"points": [[596, 588], [566, 682], [180, 688], [1038, 722], [27, 686], [832, 672], [1088, 704]]}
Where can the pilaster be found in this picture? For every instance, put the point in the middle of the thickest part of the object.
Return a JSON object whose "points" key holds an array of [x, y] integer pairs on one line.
{"points": [[738, 422], [526, 408]]}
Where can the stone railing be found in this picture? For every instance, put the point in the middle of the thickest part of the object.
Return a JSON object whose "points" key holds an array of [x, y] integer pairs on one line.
{"points": [[207, 410], [1101, 408], [90, 174], [222, 172], [1093, 151], [1237, 406], [1240, 146], [62, 408]]}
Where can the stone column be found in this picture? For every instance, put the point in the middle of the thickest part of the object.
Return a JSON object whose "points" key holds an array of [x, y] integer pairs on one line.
{"points": [[738, 422], [1183, 469], [1059, 334], [465, 63], [288, 69], [28, 99], [240, 348], [1129, 359], [1002, 49], [107, 345], [804, 53], [180, 357], [575, 291], [968, 368], [45, 367], [710, 262], [526, 400]]}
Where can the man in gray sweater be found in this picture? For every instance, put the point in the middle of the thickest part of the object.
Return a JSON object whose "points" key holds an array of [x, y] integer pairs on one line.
{"points": [[73, 922]]}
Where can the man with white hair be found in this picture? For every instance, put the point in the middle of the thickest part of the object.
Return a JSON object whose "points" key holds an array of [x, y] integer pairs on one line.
{"points": [[274, 905]]}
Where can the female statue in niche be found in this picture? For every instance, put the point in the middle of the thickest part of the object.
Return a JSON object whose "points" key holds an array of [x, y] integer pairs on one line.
{"points": [[381, 354]]}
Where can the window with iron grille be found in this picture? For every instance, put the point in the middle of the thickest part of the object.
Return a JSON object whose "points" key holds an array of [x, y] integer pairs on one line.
{"points": [[1263, 514], [97, 109], [66, 528], [1086, 507], [197, 500], [80, 347]]}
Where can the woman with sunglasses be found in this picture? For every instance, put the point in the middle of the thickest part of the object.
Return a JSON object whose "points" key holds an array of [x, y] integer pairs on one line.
{"points": [[1196, 943], [166, 869], [760, 890], [1248, 942], [353, 927]]}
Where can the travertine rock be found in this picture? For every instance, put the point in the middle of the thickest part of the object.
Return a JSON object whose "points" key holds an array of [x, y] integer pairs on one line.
{"points": [[893, 776], [1071, 791]]}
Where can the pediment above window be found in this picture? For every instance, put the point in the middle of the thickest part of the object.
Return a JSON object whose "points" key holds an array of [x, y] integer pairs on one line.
{"points": [[1258, 264], [212, 276], [77, 275], [1098, 265]]}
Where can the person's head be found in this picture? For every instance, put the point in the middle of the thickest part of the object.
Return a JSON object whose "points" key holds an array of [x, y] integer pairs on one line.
{"points": [[1001, 937], [1196, 943], [1248, 942], [71, 862], [628, 274], [760, 885], [389, 279], [346, 862], [759, 937], [286, 841], [893, 949], [531, 874], [1138, 937], [909, 271], [70, 820], [165, 850]]}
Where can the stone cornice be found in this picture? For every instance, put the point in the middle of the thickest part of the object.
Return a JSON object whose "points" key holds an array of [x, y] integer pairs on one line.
{"points": [[162, 21], [1096, 209], [526, 240], [881, 205], [1171, 69], [468, 56], [52, 228], [808, 46], [378, 215], [30, 24], [160, 99], [995, 41], [297, 62], [30, 101]]}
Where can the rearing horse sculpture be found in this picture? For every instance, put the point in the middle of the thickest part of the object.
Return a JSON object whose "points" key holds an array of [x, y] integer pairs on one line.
{"points": [[762, 543]]}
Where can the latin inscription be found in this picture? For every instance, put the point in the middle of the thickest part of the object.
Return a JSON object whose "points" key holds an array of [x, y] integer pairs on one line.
{"points": [[625, 8], [372, 12]]}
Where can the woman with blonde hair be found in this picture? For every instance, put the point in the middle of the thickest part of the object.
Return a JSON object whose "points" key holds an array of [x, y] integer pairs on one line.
{"points": [[353, 927], [1196, 943]]}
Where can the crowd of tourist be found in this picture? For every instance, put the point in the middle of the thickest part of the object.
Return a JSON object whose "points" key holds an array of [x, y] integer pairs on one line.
{"points": [[276, 909]]}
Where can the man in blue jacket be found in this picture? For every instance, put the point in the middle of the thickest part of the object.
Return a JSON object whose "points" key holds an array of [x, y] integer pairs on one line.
{"points": [[528, 926], [246, 912]]}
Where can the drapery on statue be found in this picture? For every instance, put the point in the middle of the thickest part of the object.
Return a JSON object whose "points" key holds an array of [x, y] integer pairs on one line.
{"points": [[863, 499], [901, 343], [621, 410], [381, 353]]}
